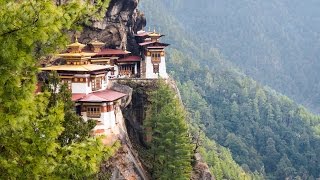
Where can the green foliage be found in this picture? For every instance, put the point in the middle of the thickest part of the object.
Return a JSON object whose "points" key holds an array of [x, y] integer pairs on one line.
{"points": [[75, 128], [170, 145], [29, 125], [275, 41], [259, 126], [220, 161]]}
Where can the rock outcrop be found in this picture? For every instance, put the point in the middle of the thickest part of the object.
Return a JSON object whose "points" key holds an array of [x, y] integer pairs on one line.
{"points": [[200, 169], [117, 29]]}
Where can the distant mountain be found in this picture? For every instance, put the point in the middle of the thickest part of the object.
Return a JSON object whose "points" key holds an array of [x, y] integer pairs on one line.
{"points": [[266, 131], [276, 42]]}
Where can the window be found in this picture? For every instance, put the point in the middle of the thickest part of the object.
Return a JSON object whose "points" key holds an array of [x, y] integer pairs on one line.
{"points": [[93, 111], [93, 84], [155, 68], [96, 83], [155, 57]]}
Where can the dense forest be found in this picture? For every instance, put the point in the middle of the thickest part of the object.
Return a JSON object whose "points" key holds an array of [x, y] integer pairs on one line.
{"points": [[274, 42], [266, 131]]}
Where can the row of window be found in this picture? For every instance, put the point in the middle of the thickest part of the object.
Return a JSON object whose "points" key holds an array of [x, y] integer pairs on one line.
{"points": [[95, 83], [156, 56], [95, 111]]}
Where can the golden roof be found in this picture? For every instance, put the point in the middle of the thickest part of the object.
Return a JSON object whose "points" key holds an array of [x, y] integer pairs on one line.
{"points": [[96, 42], [82, 68], [76, 47], [154, 34], [81, 54]]}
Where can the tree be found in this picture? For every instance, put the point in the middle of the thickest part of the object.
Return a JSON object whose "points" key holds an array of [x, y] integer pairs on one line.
{"points": [[285, 169], [29, 127], [75, 128], [170, 144]]}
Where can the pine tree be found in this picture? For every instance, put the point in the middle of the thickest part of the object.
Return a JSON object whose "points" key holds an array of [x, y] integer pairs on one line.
{"points": [[75, 128], [29, 129], [170, 143]]}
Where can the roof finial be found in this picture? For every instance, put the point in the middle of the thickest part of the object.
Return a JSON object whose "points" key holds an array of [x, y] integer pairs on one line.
{"points": [[154, 30], [76, 36], [149, 29]]}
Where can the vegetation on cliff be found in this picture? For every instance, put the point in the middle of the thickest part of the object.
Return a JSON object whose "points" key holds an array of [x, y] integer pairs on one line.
{"points": [[30, 125], [170, 147], [265, 131]]}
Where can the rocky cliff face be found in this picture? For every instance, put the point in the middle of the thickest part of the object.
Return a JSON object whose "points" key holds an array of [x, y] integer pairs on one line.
{"points": [[117, 29]]}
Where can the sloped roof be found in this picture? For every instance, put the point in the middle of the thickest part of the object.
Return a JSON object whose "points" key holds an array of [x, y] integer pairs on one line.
{"points": [[112, 52], [154, 43], [76, 96], [130, 59], [102, 96], [83, 68]]}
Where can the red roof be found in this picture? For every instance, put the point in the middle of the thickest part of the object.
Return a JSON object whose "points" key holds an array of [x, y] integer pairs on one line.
{"points": [[108, 52], [130, 59], [156, 47], [155, 43], [76, 96], [145, 43], [102, 96], [112, 52]]}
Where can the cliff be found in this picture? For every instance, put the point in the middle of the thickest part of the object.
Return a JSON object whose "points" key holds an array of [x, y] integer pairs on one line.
{"points": [[122, 20], [134, 114], [117, 29]]}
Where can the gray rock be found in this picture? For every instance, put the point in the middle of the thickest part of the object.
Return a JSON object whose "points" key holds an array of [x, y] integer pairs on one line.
{"points": [[118, 27]]}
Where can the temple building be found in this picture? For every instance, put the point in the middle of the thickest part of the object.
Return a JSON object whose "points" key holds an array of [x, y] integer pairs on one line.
{"points": [[87, 70], [88, 84], [153, 64]]}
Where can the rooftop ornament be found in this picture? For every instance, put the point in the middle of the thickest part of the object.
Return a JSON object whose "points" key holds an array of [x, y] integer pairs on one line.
{"points": [[76, 47], [96, 45]]}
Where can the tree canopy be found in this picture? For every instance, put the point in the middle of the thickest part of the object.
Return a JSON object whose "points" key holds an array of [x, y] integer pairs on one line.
{"points": [[262, 128], [170, 146], [29, 125]]}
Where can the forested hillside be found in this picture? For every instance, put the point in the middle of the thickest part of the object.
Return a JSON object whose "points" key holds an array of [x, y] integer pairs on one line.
{"points": [[265, 131], [275, 42]]}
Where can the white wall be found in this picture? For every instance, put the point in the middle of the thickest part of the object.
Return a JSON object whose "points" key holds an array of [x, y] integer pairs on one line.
{"points": [[162, 69], [81, 88], [108, 119]]}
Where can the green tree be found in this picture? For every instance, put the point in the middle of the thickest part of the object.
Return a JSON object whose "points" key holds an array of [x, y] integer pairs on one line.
{"points": [[29, 126], [285, 169], [75, 128], [170, 144]]}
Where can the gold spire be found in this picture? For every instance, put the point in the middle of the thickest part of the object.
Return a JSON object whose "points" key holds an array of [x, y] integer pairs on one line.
{"points": [[96, 45], [76, 47]]}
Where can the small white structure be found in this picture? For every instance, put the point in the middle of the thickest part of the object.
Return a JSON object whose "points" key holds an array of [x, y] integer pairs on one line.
{"points": [[153, 63]]}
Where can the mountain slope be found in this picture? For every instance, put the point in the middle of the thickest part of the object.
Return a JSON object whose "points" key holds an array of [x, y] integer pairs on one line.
{"points": [[266, 131], [275, 42]]}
